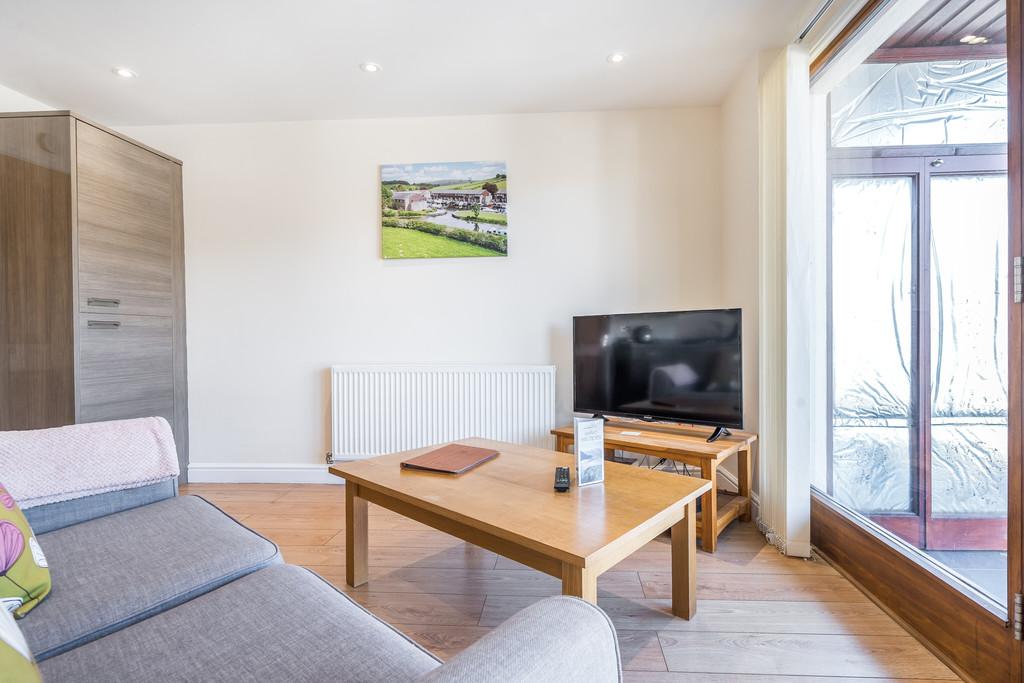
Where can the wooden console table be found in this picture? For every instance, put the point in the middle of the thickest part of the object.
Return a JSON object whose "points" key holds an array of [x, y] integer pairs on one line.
{"points": [[686, 444]]}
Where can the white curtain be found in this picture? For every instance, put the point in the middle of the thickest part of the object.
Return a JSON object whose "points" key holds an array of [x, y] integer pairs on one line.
{"points": [[791, 260]]}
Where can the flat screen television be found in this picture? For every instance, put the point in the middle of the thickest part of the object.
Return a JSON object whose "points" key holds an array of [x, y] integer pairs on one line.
{"points": [[684, 366]]}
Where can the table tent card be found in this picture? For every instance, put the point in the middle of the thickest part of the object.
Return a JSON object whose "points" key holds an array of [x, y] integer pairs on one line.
{"points": [[589, 439]]}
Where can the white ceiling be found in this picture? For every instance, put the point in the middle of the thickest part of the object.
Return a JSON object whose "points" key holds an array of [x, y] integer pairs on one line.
{"points": [[274, 60]]}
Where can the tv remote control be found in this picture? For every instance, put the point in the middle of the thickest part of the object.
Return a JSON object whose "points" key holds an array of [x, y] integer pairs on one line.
{"points": [[562, 479]]}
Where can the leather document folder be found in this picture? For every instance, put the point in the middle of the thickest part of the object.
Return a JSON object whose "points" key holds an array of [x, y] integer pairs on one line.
{"points": [[452, 459]]}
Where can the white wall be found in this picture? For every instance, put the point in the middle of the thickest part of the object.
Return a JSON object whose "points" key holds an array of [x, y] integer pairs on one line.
{"points": [[12, 100], [609, 212], [739, 256], [739, 263]]}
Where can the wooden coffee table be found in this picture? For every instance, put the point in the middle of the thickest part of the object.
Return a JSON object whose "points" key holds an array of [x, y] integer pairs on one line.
{"points": [[509, 506]]}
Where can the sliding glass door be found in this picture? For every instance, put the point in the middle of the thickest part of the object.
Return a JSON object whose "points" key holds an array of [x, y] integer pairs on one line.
{"points": [[873, 465], [919, 314], [966, 430]]}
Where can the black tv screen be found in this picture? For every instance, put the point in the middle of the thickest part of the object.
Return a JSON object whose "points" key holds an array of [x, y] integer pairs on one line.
{"points": [[683, 366]]}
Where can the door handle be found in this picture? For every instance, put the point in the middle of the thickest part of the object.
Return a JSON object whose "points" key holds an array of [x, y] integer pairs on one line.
{"points": [[1018, 294], [105, 303], [104, 324]]}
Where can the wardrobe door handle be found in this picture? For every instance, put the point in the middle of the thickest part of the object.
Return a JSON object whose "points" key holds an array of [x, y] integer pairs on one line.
{"points": [[106, 303], [104, 324]]}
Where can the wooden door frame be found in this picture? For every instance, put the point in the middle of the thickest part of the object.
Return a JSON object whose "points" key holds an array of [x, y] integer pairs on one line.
{"points": [[973, 636], [1015, 447]]}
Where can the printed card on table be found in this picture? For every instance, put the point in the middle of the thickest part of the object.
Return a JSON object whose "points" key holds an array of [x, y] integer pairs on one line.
{"points": [[589, 439]]}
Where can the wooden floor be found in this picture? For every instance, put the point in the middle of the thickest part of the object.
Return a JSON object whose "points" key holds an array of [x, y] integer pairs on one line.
{"points": [[761, 616]]}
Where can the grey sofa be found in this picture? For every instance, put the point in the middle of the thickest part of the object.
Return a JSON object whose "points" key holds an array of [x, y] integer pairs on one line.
{"points": [[152, 586]]}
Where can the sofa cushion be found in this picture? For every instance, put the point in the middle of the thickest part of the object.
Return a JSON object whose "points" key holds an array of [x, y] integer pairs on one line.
{"points": [[52, 516], [283, 623], [119, 569]]}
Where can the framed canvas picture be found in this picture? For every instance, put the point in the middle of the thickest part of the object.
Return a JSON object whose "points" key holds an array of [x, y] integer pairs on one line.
{"points": [[444, 209]]}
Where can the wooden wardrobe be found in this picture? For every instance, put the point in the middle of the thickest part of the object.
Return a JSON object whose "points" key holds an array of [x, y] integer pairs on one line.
{"points": [[92, 287]]}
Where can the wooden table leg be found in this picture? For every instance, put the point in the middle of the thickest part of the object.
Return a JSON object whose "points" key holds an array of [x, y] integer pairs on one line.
{"points": [[579, 582], [744, 472], [356, 537], [562, 444], [709, 507], [684, 564]]}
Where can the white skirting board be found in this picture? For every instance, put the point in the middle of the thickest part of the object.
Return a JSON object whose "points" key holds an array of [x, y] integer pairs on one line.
{"points": [[259, 473]]}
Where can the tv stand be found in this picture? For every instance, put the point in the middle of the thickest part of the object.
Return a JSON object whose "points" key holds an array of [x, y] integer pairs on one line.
{"points": [[689, 445], [718, 434]]}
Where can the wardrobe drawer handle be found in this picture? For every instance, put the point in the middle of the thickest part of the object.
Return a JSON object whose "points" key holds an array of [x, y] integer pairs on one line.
{"points": [[104, 324], [106, 303]]}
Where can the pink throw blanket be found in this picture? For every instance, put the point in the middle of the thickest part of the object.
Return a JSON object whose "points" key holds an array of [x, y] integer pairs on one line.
{"points": [[50, 465]]}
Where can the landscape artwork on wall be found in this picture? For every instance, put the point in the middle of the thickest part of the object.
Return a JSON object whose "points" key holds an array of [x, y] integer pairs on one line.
{"points": [[444, 209]]}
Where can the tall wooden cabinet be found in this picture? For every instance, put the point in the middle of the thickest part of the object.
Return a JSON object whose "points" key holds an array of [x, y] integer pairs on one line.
{"points": [[92, 288]]}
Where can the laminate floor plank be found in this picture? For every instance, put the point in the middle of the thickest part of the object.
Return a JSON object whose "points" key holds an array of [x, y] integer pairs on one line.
{"points": [[801, 655], [725, 616], [464, 556], [403, 538], [641, 650], [444, 641], [680, 677], [424, 609], [295, 521], [765, 560], [299, 537], [475, 581], [791, 587]]}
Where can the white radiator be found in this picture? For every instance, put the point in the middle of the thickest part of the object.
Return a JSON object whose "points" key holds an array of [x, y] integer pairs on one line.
{"points": [[379, 409]]}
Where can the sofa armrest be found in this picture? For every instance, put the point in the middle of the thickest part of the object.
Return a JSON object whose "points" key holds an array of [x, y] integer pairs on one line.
{"points": [[557, 639]]}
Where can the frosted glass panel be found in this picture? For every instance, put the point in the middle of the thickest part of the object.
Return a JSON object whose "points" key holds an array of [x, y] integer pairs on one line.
{"points": [[969, 345], [921, 103], [872, 262], [871, 467], [969, 470]]}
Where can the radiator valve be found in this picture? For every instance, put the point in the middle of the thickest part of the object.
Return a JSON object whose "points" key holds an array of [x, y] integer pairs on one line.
{"points": [[329, 458]]}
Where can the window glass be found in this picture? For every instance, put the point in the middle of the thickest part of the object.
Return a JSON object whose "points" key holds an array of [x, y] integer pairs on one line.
{"points": [[872, 281], [921, 103], [969, 344]]}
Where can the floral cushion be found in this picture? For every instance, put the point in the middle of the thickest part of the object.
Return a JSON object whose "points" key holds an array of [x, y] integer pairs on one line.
{"points": [[15, 660], [24, 574]]}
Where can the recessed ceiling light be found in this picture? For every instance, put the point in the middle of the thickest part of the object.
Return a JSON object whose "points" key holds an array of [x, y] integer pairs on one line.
{"points": [[616, 58], [124, 72], [370, 67], [971, 39]]}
